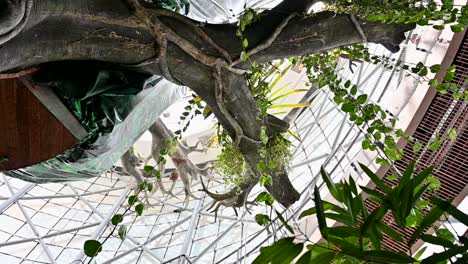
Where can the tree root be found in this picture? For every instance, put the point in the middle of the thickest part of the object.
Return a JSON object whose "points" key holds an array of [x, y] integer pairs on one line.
{"points": [[239, 133], [267, 43], [18, 74], [161, 31]]}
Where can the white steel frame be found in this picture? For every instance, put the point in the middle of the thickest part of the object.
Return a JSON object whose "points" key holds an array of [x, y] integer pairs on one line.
{"points": [[321, 127]]}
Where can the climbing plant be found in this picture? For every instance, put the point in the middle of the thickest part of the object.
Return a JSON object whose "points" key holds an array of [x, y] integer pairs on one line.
{"points": [[357, 235]]}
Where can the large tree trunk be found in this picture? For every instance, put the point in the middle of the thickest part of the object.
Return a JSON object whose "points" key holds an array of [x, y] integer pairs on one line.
{"points": [[108, 31]]}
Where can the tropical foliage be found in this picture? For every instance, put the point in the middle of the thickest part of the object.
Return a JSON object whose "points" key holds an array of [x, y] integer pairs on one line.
{"points": [[357, 233]]}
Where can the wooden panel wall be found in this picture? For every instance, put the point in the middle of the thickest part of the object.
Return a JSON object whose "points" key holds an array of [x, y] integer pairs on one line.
{"points": [[29, 133], [450, 161]]}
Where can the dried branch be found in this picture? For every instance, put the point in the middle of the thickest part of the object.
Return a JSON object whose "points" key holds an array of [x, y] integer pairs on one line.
{"points": [[219, 197], [129, 165]]}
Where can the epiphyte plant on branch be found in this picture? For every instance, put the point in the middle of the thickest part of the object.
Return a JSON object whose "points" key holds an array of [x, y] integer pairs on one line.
{"points": [[210, 59]]}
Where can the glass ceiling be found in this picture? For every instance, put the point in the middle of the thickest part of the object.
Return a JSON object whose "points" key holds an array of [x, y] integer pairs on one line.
{"points": [[48, 223]]}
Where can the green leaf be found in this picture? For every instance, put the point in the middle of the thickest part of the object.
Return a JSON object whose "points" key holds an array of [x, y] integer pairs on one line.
{"points": [[407, 174], [244, 56], [353, 90], [422, 176], [374, 195], [449, 76], [389, 231], [207, 112], [343, 231], [262, 219], [392, 177], [132, 199], [157, 174], [433, 183], [305, 258], [382, 256], [423, 72], [353, 185], [433, 215], [320, 213], [342, 218], [288, 106], [139, 209], [294, 91], [437, 257], [457, 28], [348, 107], [373, 218], [245, 43], [437, 241], [280, 76], [344, 245], [452, 133], [117, 219], [366, 144], [419, 253], [266, 198], [149, 187], [265, 180], [326, 257], [375, 237], [347, 84], [278, 90], [362, 98], [296, 137], [330, 184], [92, 248], [378, 182], [148, 169], [283, 251], [261, 166], [403, 207], [417, 147], [435, 68], [326, 207], [445, 234], [452, 210], [452, 68], [284, 222], [122, 232]]}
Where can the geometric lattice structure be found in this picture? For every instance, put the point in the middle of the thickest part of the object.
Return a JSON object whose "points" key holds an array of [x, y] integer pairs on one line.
{"points": [[450, 161], [49, 223]]}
